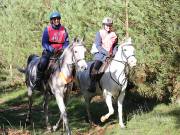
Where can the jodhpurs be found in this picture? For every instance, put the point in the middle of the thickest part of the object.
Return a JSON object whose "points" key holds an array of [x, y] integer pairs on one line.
{"points": [[44, 61]]}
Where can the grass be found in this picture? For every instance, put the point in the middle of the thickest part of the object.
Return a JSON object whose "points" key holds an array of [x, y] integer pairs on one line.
{"points": [[162, 120], [142, 118]]}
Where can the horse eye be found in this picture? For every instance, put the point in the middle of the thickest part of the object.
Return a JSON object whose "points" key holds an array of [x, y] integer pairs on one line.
{"points": [[124, 50], [75, 51]]}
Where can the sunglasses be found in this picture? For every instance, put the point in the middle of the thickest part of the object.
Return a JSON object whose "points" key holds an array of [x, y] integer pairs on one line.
{"points": [[109, 25], [55, 18]]}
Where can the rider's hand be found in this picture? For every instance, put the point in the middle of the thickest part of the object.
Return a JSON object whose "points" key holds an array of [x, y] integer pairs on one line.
{"points": [[103, 51], [58, 51], [54, 51]]}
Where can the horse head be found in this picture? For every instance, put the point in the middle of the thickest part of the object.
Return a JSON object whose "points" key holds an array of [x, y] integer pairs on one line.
{"points": [[126, 53], [79, 50]]}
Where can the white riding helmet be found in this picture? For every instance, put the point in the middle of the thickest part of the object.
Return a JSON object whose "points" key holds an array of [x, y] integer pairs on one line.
{"points": [[107, 21]]}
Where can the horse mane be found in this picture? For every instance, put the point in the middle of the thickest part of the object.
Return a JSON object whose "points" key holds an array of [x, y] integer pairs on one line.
{"points": [[61, 58], [126, 42], [67, 48], [64, 52]]}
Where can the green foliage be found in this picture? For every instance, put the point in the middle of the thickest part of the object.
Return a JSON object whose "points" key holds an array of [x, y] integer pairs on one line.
{"points": [[153, 25]]}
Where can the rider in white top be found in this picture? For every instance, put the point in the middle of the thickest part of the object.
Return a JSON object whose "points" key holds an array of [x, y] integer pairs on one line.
{"points": [[105, 41]]}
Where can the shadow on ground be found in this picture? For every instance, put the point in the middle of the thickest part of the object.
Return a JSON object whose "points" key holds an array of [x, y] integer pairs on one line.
{"points": [[13, 112]]}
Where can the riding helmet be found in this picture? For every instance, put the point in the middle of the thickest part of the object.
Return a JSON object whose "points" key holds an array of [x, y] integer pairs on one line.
{"points": [[55, 14], [107, 21]]}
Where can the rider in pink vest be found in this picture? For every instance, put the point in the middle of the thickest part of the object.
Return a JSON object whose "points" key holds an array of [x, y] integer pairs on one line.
{"points": [[105, 41], [56, 37], [54, 40]]}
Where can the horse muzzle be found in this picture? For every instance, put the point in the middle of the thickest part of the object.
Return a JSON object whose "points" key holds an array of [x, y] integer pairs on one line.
{"points": [[132, 61], [82, 65]]}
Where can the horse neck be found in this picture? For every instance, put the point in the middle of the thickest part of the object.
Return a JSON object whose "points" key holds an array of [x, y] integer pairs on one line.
{"points": [[117, 65], [67, 66], [120, 58], [118, 69]]}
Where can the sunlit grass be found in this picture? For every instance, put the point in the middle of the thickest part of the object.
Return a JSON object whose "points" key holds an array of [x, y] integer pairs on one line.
{"points": [[5, 95], [163, 120]]}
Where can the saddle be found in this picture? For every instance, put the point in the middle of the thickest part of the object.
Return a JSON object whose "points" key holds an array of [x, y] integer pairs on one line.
{"points": [[102, 69], [52, 66]]}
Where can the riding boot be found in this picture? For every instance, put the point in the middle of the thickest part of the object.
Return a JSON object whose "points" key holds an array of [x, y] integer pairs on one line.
{"points": [[94, 72], [41, 67]]}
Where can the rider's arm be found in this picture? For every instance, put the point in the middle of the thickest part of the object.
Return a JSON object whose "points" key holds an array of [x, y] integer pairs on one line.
{"points": [[45, 41], [115, 46], [66, 41], [98, 42], [115, 43]]}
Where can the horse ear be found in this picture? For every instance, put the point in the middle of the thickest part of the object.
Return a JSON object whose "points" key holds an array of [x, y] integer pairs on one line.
{"points": [[78, 39], [74, 39], [129, 40], [82, 40]]}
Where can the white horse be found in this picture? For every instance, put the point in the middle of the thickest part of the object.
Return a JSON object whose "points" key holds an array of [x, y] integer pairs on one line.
{"points": [[62, 75], [112, 83]]}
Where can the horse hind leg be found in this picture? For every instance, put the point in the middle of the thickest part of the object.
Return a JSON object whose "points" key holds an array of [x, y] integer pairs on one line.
{"points": [[62, 109], [45, 107], [120, 102], [29, 114], [108, 99], [87, 103]]}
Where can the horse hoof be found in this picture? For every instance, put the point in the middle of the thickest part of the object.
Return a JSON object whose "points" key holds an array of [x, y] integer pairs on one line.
{"points": [[28, 122], [47, 131], [93, 124], [103, 119], [54, 128], [122, 126], [48, 128]]}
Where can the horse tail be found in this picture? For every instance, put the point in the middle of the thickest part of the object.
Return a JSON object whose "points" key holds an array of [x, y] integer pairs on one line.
{"points": [[21, 70], [31, 57]]}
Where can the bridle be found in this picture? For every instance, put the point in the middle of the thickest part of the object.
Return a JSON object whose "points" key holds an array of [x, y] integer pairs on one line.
{"points": [[76, 60], [72, 64], [126, 57], [126, 68]]}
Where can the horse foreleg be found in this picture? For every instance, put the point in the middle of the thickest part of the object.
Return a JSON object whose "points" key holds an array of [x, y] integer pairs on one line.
{"points": [[45, 107], [62, 109], [110, 108], [28, 117], [55, 127], [120, 102], [66, 97]]}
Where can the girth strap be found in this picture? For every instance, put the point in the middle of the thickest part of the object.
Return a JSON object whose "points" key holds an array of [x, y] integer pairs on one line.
{"points": [[65, 79]]}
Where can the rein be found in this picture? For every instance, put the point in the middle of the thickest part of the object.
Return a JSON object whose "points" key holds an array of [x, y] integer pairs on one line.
{"points": [[125, 68], [70, 67], [76, 61], [125, 54], [117, 82]]}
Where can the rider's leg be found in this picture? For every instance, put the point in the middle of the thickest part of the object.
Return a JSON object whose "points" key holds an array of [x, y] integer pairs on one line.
{"points": [[94, 72], [41, 67]]}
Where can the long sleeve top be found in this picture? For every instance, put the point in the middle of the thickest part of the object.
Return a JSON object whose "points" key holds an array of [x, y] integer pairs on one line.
{"points": [[98, 42], [46, 44]]}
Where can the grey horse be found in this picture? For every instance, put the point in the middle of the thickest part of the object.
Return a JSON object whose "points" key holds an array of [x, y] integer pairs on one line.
{"points": [[112, 83], [58, 82]]}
